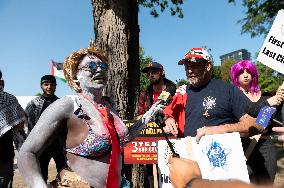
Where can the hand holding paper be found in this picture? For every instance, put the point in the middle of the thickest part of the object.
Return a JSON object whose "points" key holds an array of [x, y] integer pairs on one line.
{"points": [[208, 130], [182, 171]]}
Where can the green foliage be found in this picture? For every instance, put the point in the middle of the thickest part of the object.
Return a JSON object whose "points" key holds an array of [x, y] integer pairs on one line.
{"points": [[174, 6], [216, 73], [144, 60], [38, 94], [181, 82], [259, 15], [225, 70], [269, 80]]}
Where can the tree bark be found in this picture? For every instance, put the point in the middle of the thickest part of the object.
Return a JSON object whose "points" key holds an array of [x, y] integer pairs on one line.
{"points": [[117, 32]]}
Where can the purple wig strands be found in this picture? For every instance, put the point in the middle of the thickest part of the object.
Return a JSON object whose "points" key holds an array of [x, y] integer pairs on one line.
{"points": [[239, 68]]}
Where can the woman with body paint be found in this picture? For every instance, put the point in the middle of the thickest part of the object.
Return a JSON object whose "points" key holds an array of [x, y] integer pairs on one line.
{"points": [[87, 124]]}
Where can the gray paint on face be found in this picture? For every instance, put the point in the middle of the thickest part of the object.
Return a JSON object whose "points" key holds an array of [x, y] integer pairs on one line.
{"points": [[90, 78]]}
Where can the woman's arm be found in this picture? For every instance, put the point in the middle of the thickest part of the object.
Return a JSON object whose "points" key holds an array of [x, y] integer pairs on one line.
{"points": [[41, 135]]}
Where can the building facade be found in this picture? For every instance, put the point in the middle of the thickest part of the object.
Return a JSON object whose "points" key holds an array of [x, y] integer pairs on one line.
{"points": [[236, 56]]}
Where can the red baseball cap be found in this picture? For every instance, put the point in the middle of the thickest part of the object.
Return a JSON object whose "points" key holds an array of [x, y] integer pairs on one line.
{"points": [[196, 55]]}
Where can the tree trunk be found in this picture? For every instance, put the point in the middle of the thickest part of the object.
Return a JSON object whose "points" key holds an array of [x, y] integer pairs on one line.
{"points": [[117, 32]]}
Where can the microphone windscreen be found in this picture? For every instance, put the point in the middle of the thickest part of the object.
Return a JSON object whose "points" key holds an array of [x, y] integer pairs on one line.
{"points": [[165, 97]]}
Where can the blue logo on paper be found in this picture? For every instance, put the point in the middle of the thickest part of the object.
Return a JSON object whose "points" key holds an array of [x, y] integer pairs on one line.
{"points": [[264, 115], [217, 155]]}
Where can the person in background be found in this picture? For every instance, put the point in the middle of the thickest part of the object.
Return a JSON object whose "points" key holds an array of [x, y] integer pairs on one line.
{"points": [[158, 83], [185, 173], [244, 75], [12, 118], [261, 156], [212, 106], [33, 112]]}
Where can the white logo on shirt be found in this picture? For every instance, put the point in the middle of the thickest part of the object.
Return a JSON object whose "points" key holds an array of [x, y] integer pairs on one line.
{"points": [[208, 104]]}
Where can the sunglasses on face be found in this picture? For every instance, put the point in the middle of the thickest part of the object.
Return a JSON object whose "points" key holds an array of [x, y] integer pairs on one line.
{"points": [[94, 66]]}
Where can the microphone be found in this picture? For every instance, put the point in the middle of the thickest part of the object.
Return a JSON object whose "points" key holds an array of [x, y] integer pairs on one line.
{"points": [[265, 115], [165, 98]]}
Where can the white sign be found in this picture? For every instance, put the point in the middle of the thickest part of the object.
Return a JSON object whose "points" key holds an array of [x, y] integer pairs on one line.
{"points": [[182, 147], [272, 51], [220, 157]]}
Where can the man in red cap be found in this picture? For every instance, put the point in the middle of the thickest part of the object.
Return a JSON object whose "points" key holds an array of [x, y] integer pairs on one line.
{"points": [[211, 106]]}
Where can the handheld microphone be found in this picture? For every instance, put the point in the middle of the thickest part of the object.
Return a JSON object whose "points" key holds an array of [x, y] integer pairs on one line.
{"points": [[165, 98], [265, 115], [262, 112]]}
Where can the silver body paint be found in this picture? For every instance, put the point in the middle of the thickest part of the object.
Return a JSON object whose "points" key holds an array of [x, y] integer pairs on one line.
{"points": [[94, 170]]}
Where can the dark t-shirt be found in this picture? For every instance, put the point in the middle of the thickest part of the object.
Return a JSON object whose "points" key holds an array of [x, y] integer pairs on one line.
{"points": [[215, 103], [48, 101]]}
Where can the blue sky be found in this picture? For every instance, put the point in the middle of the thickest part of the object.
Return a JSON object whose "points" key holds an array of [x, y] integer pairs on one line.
{"points": [[35, 31]]}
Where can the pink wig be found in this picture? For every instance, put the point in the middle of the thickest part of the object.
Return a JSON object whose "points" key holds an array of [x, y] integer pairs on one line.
{"points": [[239, 68]]}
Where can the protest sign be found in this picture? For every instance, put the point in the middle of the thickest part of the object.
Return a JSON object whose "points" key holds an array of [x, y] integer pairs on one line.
{"points": [[272, 51], [220, 157], [143, 150], [182, 146]]}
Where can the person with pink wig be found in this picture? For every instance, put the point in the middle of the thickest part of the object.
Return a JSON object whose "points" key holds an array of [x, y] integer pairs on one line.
{"points": [[262, 160], [244, 75]]}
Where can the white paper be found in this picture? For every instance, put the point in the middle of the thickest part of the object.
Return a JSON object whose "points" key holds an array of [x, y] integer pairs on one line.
{"points": [[164, 153], [272, 51], [221, 157]]}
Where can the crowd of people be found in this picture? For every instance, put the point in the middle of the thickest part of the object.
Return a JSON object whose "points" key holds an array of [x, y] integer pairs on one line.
{"points": [[85, 136]]}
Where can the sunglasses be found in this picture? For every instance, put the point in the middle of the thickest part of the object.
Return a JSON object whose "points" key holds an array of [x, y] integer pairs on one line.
{"points": [[94, 66]]}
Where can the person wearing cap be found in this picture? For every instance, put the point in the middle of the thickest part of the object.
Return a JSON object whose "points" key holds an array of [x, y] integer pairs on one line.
{"points": [[33, 112], [158, 83], [12, 118], [212, 106]]}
